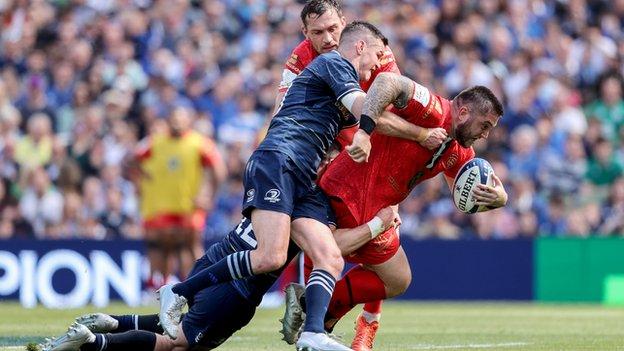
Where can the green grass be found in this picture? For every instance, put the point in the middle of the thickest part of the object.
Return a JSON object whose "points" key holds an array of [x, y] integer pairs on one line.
{"points": [[405, 326]]}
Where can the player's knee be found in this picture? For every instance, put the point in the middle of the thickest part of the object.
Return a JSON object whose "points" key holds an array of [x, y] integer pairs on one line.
{"points": [[334, 263], [271, 262], [399, 284]]}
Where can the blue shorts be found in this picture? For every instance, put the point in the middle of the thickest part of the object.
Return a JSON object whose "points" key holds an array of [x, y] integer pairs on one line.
{"points": [[273, 182], [215, 313]]}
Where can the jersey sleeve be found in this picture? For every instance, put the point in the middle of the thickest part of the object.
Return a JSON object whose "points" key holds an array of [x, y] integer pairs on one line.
{"points": [[208, 153], [423, 109], [466, 155], [299, 59], [386, 64], [143, 150], [338, 74]]}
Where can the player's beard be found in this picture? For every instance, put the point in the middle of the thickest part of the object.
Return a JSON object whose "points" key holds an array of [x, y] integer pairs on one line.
{"points": [[463, 136]]}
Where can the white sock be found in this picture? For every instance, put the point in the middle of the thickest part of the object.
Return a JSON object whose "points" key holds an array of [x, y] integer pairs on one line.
{"points": [[371, 317]]}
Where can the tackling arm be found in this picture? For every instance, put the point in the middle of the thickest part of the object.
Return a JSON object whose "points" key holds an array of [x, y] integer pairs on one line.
{"points": [[393, 125], [349, 240]]}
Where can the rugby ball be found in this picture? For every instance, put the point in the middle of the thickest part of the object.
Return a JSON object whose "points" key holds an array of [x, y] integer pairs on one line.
{"points": [[473, 172]]}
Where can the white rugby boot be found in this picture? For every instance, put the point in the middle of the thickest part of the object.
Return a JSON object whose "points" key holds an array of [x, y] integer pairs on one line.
{"points": [[171, 305], [309, 341], [293, 314], [98, 322], [76, 336]]}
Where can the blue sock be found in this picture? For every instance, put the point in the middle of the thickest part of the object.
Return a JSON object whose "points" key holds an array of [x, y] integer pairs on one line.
{"points": [[231, 267], [318, 293], [126, 322]]}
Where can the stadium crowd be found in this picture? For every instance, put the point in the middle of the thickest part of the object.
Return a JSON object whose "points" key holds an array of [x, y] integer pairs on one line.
{"points": [[82, 81]]}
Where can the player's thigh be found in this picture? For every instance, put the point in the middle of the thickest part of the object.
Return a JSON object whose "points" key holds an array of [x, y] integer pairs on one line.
{"points": [[216, 313], [272, 230], [395, 273], [165, 343]]}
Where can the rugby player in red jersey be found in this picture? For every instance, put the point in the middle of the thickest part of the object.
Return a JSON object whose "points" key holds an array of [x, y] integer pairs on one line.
{"points": [[394, 167], [322, 24]]}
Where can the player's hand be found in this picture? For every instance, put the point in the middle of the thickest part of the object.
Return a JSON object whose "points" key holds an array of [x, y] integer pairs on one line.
{"points": [[491, 196], [434, 138], [387, 216], [359, 150]]}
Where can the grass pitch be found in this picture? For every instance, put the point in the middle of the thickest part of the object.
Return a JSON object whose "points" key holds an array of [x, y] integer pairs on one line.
{"points": [[405, 326]]}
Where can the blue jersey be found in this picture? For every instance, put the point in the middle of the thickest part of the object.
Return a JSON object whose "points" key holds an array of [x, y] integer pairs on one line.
{"points": [[243, 238], [311, 115]]}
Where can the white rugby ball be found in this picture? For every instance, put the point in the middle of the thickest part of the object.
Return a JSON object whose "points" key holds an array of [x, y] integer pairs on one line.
{"points": [[473, 172]]}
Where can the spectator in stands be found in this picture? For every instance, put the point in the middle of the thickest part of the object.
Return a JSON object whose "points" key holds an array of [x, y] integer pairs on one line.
{"points": [[41, 204]]}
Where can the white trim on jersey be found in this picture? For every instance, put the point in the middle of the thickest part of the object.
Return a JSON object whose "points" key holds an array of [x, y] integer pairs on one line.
{"points": [[287, 78], [348, 99], [421, 95]]}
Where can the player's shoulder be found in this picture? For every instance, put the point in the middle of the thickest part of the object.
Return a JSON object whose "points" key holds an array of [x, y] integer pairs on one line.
{"points": [[301, 56]]}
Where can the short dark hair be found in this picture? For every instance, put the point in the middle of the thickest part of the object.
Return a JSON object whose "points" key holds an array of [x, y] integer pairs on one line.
{"points": [[481, 100], [318, 8], [361, 26]]}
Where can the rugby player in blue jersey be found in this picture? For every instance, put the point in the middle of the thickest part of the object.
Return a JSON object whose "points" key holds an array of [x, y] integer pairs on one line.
{"points": [[280, 189], [214, 314]]}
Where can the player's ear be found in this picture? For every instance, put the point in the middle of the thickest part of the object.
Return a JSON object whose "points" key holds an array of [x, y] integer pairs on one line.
{"points": [[343, 21], [304, 30], [359, 46]]}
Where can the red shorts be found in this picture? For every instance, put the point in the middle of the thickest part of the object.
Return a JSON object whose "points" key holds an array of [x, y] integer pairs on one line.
{"points": [[194, 221], [376, 251]]}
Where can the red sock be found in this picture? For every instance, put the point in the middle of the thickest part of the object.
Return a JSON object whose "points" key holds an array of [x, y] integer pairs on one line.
{"points": [[307, 268], [359, 285], [373, 307]]}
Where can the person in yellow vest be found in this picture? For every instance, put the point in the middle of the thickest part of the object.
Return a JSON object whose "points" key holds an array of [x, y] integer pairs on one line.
{"points": [[179, 174]]}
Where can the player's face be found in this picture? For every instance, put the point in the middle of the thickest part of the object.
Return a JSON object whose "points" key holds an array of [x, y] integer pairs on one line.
{"points": [[324, 30], [471, 128], [179, 122], [372, 52]]}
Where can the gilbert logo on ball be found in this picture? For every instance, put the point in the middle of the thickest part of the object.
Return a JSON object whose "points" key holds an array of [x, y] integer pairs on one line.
{"points": [[473, 172]]}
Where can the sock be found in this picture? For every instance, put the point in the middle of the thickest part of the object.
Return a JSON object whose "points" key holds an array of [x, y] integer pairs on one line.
{"points": [[307, 268], [149, 323], [318, 293], [231, 267], [373, 307], [125, 322], [136, 340], [359, 285], [371, 317]]}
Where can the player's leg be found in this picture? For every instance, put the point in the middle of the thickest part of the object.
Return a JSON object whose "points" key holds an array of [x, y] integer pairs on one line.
{"points": [[104, 323], [269, 189], [316, 240], [79, 337], [396, 276], [155, 256]]}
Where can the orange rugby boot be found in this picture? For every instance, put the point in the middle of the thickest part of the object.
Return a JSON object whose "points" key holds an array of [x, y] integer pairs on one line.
{"points": [[364, 334]]}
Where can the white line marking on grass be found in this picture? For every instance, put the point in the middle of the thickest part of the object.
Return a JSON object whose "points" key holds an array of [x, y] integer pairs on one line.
{"points": [[467, 346]]}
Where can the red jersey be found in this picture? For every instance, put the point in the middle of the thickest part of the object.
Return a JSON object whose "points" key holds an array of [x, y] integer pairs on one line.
{"points": [[304, 53], [395, 166]]}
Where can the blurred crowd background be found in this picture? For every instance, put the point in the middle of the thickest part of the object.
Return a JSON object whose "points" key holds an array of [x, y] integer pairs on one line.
{"points": [[82, 81]]}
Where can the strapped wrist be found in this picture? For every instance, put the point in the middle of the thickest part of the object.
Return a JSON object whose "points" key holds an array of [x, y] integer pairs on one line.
{"points": [[376, 227], [367, 124]]}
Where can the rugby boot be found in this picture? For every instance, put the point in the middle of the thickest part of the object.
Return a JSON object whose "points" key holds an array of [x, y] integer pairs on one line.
{"points": [[293, 315], [76, 336], [364, 334], [98, 322], [309, 341], [171, 305]]}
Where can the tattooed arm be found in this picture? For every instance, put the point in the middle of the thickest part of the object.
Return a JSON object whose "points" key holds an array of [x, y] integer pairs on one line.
{"points": [[389, 88]]}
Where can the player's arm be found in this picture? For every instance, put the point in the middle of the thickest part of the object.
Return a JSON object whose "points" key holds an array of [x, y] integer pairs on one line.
{"points": [[388, 88], [349, 240], [214, 174], [393, 125], [492, 197]]}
